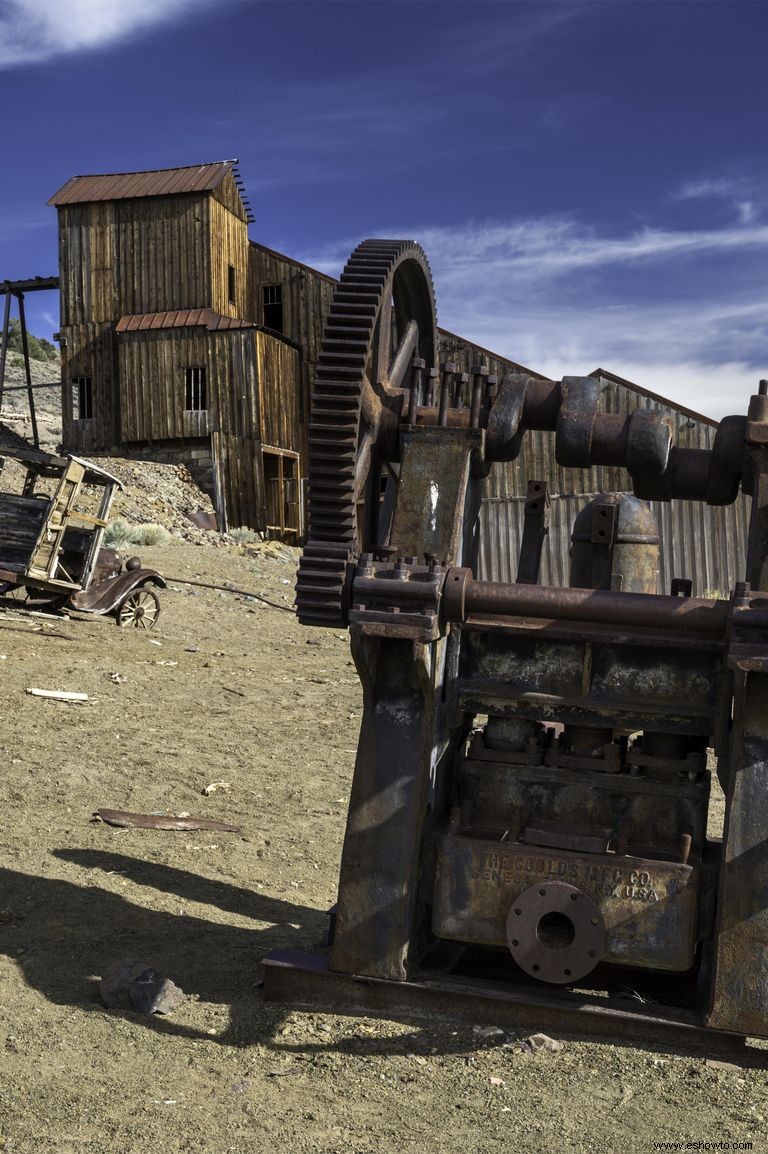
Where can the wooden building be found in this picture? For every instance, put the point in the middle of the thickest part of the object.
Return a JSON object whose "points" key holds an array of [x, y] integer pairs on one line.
{"points": [[161, 352]]}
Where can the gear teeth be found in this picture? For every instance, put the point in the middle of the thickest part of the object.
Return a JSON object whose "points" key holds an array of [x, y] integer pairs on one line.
{"points": [[322, 585]]}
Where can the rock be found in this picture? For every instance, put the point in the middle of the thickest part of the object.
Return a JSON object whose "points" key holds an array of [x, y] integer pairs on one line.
{"points": [[544, 1042], [488, 1031], [132, 985]]}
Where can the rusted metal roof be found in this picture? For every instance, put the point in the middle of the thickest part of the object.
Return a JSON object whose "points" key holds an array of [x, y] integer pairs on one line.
{"points": [[156, 182], [180, 319]]}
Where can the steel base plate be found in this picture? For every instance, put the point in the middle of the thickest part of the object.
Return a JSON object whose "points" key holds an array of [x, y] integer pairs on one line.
{"points": [[305, 981]]}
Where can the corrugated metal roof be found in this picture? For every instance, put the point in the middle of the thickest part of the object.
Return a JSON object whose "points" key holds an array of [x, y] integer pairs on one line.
{"points": [[155, 182], [180, 319]]}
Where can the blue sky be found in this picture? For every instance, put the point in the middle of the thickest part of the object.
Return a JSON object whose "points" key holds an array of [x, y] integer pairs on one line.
{"points": [[589, 180]]}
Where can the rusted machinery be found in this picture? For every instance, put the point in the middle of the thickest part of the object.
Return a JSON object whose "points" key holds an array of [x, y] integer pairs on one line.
{"points": [[527, 829]]}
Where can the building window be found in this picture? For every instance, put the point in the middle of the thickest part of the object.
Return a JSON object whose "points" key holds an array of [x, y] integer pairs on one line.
{"points": [[231, 284], [272, 299], [195, 391], [82, 398]]}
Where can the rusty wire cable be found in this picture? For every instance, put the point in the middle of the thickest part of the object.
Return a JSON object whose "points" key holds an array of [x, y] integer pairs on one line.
{"points": [[231, 589]]}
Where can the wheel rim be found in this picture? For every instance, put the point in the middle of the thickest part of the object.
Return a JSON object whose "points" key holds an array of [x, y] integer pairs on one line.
{"points": [[140, 609]]}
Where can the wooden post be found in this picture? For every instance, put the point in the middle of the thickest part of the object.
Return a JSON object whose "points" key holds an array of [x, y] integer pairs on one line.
{"points": [[4, 346], [27, 370], [281, 495]]}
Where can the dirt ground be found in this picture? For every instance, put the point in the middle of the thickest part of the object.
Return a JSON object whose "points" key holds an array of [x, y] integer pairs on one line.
{"points": [[230, 690]]}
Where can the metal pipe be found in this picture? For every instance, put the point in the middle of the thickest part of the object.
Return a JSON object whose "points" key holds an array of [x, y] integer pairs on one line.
{"points": [[463, 596]]}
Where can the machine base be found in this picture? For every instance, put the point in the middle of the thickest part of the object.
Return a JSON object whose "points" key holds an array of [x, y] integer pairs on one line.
{"points": [[304, 980]]}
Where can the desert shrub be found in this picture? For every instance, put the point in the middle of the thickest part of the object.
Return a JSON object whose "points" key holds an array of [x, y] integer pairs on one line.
{"points": [[120, 534], [244, 536], [150, 534]]}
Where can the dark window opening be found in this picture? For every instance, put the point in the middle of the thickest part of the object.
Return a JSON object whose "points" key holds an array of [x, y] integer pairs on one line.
{"points": [[231, 284], [82, 398], [272, 298], [195, 391]]}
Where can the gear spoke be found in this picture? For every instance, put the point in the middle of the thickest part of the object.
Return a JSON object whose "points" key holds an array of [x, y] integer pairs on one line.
{"points": [[402, 358]]}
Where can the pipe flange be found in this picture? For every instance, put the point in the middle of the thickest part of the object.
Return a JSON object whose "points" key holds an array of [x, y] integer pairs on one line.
{"points": [[455, 594], [555, 932]]}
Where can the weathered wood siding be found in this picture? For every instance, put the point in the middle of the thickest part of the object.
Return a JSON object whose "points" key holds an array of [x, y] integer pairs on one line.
{"points": [[229, 247], [239, 484], [89, 351], [227, 194], [162, 254], [466, 355], [307, 297], [278, 374], [152, 389], [252, 381], [86, 264]]}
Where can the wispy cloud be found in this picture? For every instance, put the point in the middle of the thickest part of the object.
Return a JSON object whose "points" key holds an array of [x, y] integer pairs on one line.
{"points": [[719, 188], [562, 298], [545, 248], [33, 31], [741, 193]]}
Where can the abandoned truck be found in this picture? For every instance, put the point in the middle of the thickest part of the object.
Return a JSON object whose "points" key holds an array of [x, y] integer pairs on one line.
{"points": [[51, 532]]}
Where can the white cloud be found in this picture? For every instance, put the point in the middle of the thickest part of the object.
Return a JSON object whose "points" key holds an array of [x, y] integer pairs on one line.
{"points": [[32, 31], [742, 194], [710, 188], [543, 249], [563, 299]]}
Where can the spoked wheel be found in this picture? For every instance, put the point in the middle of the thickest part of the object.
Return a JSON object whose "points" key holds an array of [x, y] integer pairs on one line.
{"points": [[382, 316], [140, 609]]}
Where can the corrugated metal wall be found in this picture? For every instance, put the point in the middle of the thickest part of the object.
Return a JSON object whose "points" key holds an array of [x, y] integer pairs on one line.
{"points": [[704, 543]]}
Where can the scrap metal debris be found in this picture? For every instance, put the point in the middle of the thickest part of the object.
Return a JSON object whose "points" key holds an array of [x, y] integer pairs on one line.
{"points": [[126, 820], [132, 985]]}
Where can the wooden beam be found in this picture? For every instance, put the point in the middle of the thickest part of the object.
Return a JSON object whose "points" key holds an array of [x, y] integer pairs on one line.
{"points": [[32, 284]]}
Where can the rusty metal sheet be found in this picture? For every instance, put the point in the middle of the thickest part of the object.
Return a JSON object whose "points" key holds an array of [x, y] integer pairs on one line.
{"points": [[649, 906], [434, 476], [155, 182], [180, 318]]}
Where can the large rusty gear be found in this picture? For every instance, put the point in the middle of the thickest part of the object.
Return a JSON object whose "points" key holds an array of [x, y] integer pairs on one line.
{"points": [[381, 317]]}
